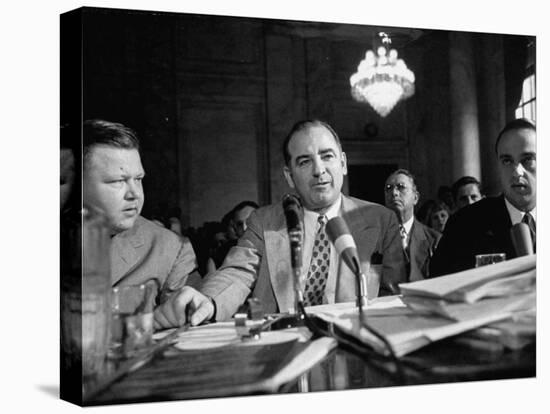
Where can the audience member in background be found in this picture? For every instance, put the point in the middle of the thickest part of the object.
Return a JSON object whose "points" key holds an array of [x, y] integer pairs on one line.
{"points": [[484, 227], [218, 247], [141, 252], [220, 243], [241, 212], [438, 216], [260, 263], [466, 191], [445, 195], [418, 240], [230, 233], [422, 214]]}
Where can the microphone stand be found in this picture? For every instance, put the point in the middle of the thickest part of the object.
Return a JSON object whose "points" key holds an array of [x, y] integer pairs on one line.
{"points": [[296, 238], [361, 302]]}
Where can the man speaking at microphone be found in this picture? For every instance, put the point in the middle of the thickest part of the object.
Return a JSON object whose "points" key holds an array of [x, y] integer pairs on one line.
{"points": [[315, 166]]}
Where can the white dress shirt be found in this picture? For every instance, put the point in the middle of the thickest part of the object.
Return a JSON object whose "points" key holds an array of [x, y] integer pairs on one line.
{"points": [[517, 215]]}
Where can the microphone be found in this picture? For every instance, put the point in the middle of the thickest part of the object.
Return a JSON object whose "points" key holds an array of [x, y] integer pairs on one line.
{"points": [[521, 239], [340, 236], [293, 216]]}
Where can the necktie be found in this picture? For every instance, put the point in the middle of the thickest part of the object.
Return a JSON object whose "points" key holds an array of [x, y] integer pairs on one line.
{"points": [[530, 221], [404, 243], [403, 233], [318, 268]]}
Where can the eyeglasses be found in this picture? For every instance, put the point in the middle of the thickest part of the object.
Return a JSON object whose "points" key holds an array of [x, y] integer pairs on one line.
{"points": [[402, 188]]}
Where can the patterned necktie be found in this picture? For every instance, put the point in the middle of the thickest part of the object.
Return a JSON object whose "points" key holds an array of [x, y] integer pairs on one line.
{"points": [[403, 233], [404, 243], [530, 221], [318, 268]]}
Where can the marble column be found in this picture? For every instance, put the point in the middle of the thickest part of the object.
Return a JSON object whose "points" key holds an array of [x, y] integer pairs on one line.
{"points": [[464, 111]]}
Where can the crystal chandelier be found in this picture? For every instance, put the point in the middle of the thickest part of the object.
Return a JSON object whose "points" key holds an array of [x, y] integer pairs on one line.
{"points": [[382, 79]]}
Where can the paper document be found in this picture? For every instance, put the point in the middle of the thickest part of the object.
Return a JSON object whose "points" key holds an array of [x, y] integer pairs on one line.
{"points": [[405, 329], [474, 284]]}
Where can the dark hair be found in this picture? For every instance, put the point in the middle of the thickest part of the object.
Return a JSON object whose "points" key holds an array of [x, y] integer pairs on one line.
{"points": [[520, 123], [243, 204], [438, 206], [462, 181], [100, 132], [423, 212], [407, 173], [301, 125]]}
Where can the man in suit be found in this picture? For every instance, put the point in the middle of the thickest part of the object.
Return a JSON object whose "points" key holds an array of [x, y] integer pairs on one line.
{"points": [[141, 251], [484, 227], [418, 241], [466, 191], [260, 263]]}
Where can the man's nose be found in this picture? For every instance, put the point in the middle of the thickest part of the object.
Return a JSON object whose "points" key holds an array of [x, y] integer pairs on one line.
{"points": [[318, 167], [133, 190], [519, 170]]}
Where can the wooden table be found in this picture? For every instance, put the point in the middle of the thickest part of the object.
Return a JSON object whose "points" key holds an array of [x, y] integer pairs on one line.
{"points": [[232, 371]]}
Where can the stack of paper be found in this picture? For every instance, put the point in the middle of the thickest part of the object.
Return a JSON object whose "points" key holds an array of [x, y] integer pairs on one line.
{"points": [[434, 309], [405, 329], [496, 280]]}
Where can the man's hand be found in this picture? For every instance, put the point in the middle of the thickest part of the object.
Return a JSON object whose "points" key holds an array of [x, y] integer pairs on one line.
{"points": [[187, 305]]}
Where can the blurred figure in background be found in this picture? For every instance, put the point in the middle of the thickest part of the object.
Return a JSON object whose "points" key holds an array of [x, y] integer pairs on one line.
{"points": [[241, 212], [424, 210], [466, 191], [438, 215], [235, 224], [445, 195]]}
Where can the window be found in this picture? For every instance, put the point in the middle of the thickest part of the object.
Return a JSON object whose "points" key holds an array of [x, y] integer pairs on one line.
{"points": [[527, 107]]}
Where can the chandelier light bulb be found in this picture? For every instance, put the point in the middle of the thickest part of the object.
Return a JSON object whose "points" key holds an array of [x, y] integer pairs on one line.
{"points": [[382, 81]]}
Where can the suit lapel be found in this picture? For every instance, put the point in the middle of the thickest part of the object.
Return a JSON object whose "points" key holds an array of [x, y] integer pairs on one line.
{"points": [[419, 243], [125, 252], [278, 262], [501, 224], [359, 228]]}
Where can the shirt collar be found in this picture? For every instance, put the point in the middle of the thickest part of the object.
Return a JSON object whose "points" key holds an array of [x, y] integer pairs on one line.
{"points": [[517, 215], [333, 210], [408, 225]]}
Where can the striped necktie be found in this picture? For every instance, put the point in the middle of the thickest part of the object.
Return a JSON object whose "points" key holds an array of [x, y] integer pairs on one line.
{"points": [[530, 221], [318, 268]]}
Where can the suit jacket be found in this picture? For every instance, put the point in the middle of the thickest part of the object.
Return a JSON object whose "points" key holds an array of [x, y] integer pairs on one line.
{"points": [[149, 252], [480, 228], [261, 260], [422, 244]]}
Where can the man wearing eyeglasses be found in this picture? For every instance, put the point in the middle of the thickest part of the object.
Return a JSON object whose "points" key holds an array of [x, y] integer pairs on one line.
{"points": [[418, 241], [484, 227]]}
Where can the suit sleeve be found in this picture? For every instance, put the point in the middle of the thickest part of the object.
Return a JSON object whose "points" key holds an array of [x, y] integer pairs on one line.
{"points": [[452, 253], [393, 261], [184, 271], [231, 284]]}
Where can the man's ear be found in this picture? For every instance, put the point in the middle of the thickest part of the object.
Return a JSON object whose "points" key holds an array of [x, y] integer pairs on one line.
{"points": [[288, 177], [344, 164], [416, 197]]}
